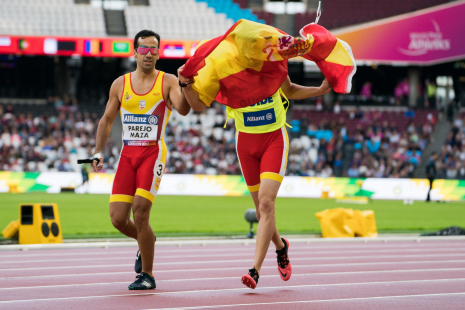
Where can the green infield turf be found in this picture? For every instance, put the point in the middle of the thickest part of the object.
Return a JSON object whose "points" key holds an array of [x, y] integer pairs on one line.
{"points": [[87, 215]]}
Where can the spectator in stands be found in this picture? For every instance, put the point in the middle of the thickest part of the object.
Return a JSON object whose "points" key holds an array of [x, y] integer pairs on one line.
{"points": [[337, 107], [431, 93], [358, 113], [57, 102], [353, 171], [319, 104], [409, 113], [365, 93]]}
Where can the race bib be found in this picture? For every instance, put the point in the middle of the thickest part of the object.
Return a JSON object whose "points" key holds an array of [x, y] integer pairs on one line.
{"points": [[140, 129]]}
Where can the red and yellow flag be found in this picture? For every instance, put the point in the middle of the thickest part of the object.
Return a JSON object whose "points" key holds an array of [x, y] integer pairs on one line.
{"points": [[249, 62]]}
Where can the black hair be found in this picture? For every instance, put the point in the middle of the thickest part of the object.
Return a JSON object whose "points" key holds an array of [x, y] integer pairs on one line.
{"points": [[144, 34]]}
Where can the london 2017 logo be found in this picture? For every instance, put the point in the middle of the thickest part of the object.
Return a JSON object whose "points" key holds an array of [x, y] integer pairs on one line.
{"points": [[141, 104], [423, 42]]}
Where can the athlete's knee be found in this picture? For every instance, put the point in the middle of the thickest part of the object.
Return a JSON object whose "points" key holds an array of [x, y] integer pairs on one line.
{"points": [[119, 222], [266, 206], [141, 216]]}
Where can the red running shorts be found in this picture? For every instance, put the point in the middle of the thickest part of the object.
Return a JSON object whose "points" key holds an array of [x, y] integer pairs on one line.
{"points": [[262, 156], [139, 172]]}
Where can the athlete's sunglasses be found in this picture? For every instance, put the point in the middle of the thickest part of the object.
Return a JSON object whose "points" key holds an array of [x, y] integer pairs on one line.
{"points": [[145, 50]]}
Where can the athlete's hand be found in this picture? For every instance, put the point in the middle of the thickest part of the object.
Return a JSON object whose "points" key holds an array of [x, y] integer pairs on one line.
{"points": [[97, 167], [181, 78], [325, 87]]}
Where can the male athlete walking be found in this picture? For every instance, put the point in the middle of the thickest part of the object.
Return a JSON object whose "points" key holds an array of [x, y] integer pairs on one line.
{"points": [[145, 99], [262, 146]]}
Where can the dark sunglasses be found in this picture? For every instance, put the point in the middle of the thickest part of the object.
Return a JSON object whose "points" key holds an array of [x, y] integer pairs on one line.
{"points": [[145, 50]]}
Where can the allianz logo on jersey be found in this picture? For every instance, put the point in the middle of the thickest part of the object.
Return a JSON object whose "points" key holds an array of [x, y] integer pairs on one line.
{"points": [[259, 118], [140, 119]]}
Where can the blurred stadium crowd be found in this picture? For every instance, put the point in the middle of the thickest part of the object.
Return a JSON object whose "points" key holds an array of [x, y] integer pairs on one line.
{"points": [[48, 141], [450, 162], [339, 142]]}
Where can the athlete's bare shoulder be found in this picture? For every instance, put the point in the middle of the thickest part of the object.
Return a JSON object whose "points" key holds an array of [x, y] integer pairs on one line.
{"points": [[117, 86], [169, 82], [170, 79]]}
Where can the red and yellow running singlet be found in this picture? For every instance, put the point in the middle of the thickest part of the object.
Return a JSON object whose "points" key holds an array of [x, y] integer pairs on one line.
{"points": [[143, 157], [144, 116]]}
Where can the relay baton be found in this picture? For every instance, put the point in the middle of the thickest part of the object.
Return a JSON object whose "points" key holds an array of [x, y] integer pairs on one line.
{"points": [[88, 161]]}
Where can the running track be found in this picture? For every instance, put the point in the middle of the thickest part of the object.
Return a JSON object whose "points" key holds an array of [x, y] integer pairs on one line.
{"points": [[332, 275]]}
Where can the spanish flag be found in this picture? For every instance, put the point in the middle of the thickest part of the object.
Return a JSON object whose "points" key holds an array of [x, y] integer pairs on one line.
{"points": [[249, 62]]}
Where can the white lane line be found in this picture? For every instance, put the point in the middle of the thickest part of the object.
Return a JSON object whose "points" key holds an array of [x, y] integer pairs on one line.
{"points": [[229, 255], [398, 254], [243, 261], [182, 250], [354, 273], [226, 268], [236, 268], [233, 289], [234, 242], [310, 301]]}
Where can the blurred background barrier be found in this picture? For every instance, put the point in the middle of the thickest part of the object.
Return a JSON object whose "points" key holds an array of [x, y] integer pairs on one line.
{"points": [[234, 185], [345, 223]]}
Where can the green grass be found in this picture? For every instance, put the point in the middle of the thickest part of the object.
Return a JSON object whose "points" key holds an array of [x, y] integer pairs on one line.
{"points": [[87, 215]]}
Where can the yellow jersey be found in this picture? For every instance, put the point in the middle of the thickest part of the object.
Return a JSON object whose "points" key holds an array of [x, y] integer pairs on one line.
{"points": [[265, 116], [144, 116]]}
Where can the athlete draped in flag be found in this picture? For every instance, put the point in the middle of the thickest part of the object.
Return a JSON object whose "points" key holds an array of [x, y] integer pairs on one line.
{"points": [[246, 70], [262, 146], [145, 99]]}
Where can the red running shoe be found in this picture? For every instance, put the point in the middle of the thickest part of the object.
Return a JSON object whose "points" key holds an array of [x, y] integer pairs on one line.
{"points": [[284, 266], [251, 279]]}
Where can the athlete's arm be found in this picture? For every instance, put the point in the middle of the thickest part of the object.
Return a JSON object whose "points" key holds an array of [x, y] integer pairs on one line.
{"points": [[106, 122], [174, 95], [189, 94], [295, 91]]}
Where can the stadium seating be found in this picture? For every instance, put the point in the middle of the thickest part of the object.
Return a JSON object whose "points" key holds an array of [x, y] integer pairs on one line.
{"points": [[51, 17], [177, 20], [303, 19], [231, 9], [173, 19], [340, 13], [264, 15]]}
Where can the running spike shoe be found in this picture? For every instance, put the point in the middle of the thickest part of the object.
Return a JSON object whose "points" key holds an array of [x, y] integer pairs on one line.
{"points": [[284, 266], [251, 279], [138, 264], [143, 282]]}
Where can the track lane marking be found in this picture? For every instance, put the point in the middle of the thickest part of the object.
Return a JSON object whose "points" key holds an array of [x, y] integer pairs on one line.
{"points": [[219, 268], [313, 246], [237, 277], [308, 301], [229, 289], [242, 254], [222, 261], [228, 255]]}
